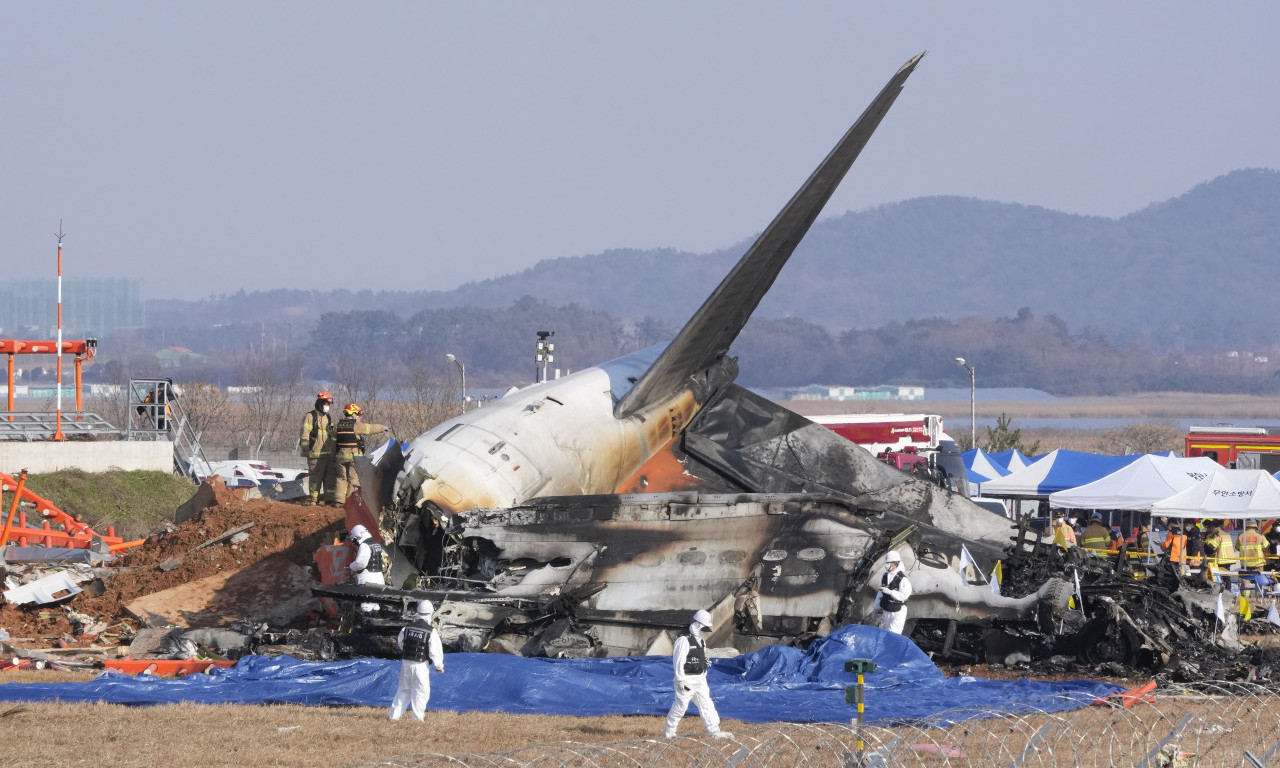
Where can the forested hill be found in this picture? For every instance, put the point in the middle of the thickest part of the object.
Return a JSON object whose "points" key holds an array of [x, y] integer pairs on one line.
{"points": [[1195, 272]]}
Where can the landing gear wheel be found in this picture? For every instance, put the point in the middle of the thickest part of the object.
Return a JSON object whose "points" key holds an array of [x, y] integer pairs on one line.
{"points": [[1103, 641]]}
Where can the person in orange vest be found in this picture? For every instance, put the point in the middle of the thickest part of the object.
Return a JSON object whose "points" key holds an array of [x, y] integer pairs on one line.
{"points": [[1175, 543], [1096, 535], [348, 437], [1117, 539], [1253, 547]]}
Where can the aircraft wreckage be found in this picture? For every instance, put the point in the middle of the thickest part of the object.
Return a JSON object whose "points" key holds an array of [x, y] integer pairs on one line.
{"points": [[590, 515]]}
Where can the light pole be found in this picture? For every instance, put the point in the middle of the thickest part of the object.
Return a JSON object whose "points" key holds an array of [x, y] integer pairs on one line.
{"points": [[544, 353], [973, 407], [463, 370]]}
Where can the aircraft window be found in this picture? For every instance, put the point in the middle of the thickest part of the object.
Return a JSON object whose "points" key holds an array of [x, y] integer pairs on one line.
{"points": [[561, 562], [732, 556], [774, 555], [648, 560], [693, 557], [812, 553], [848, 553]]}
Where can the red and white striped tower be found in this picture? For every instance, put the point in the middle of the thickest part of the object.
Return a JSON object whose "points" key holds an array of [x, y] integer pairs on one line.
{"points": [[57, 430]]}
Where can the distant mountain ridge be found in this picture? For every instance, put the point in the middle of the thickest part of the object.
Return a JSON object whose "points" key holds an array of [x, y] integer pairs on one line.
{"points": [[1198, 271]]}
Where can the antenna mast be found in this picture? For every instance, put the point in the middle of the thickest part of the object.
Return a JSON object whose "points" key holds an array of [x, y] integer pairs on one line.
{"points": [[57, 430]]}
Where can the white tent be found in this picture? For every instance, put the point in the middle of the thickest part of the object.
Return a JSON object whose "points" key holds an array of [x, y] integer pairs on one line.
{"points": [[1232, 494], [1150, 479]]}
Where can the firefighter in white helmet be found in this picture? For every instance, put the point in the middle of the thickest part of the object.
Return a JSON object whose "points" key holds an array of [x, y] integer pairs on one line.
{"points": [[419, 644], [891, 599], [689, 659]]}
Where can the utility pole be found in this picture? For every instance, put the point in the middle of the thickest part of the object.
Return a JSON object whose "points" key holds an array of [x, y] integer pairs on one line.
{"points": [[57, 429], [544, 353]]}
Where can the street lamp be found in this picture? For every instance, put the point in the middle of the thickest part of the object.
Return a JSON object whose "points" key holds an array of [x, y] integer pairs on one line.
{"points": [[973, 407], [463, 370]]}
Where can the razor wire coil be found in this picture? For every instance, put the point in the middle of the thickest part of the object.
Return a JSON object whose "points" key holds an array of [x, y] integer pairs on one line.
{"points": [[1227, 724]]}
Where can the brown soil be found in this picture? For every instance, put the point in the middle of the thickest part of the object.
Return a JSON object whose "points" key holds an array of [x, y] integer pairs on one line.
{"points": [[286, 529]]}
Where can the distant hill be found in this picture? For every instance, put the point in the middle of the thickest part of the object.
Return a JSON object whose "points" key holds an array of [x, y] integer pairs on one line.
{"points": [[1198, 271]]}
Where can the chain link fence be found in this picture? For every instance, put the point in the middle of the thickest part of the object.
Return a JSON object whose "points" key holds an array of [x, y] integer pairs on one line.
{"points": [[1226, 724]]}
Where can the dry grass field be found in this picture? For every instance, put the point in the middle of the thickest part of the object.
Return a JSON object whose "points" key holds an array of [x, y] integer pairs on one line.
{"points": [[1199, 729]]}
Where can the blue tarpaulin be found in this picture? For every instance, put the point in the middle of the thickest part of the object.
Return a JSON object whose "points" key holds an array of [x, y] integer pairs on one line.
{"points": [[776, 683]]}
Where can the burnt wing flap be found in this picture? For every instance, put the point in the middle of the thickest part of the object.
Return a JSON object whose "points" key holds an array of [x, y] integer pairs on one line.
{"points": [[717, 323]]}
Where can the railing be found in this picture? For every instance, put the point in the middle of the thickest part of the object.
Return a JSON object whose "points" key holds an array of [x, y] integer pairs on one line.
{"points": [[32, 426]]}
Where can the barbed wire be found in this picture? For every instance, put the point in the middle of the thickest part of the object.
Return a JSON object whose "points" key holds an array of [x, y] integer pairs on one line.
{"points": [[1202, 726]]}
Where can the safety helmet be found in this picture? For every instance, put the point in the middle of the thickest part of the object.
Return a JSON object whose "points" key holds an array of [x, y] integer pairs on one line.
{"points": [[425, 608], [892, 557], [359, 532], [1097, 516], [1115, 529], [703, 618], [1248, 523], [352, 409], [325, 396]]}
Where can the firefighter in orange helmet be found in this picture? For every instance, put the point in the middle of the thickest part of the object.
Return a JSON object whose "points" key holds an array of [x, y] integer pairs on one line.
{"points": [[316, 446], [349, 438]]}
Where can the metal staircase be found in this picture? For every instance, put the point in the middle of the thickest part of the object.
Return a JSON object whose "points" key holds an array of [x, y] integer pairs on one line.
{"points": [[154, 412]]}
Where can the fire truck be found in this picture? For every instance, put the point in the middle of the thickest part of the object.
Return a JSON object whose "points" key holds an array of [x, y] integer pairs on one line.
{"points": [[1239, 447], [914, 443]]}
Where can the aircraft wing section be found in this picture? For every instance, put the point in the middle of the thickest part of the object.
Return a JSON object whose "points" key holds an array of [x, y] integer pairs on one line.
{"points": [[713, 328]]}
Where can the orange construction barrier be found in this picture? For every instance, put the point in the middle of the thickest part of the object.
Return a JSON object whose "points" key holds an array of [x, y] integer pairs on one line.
{"points": [[164, 666], [74, 534], [1127, 699]]}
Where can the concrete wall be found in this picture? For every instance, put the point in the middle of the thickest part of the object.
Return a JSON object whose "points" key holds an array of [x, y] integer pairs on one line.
{"points": [[96, 456]]}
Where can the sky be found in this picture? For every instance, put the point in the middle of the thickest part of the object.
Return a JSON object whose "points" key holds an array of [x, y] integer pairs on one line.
{"points": [[212, 147]]}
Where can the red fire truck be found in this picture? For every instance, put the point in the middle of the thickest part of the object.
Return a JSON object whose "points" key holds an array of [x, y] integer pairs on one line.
{"points": [[912, 442], [1241, 447]]}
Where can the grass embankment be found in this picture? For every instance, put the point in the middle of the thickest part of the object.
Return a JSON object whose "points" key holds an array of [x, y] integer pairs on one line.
{"points": [[135, 502]]}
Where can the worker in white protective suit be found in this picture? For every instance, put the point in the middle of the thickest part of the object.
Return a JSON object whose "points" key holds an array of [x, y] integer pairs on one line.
{"points": [[891, 599], [689, 660], [368, 563], [419, 643]]}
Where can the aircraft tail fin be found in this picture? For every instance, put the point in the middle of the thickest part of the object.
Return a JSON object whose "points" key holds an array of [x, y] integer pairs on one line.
{"points": [[717, 323]]}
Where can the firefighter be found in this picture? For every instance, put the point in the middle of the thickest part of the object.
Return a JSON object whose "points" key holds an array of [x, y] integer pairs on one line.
{"points": [[1253, 547], [689, 660], [1097, 536], [419, 644], [348, 440], [315, 445], [1063, 534], [1218, 544], [367, 565]]}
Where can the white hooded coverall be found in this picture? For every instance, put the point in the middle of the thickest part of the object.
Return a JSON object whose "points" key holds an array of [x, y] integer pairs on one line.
{"points": [[690, 687], [894, 621], [360, 567], [414, 689]]}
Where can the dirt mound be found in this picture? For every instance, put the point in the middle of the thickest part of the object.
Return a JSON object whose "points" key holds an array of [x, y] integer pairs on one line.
{"points": [[278, 528]]}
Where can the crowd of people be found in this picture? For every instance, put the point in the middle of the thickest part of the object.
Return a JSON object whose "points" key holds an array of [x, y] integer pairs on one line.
{"points": [[1191, 543]]}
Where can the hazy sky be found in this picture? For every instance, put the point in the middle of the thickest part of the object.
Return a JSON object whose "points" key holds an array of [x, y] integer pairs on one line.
{"points": [[213, 146]]}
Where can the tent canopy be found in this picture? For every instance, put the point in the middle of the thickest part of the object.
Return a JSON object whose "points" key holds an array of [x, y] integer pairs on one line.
{"points": [[1228, 494], [1139, 484], [1057, 471], [1011, 460], [980, 466]]}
